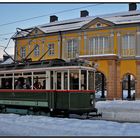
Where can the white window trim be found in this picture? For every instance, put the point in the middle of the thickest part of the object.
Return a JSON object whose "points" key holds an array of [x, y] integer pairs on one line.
{"points": [[51, 50], [23, 52], [72, 52], [128, 46], [36, 50], [95, 42]]}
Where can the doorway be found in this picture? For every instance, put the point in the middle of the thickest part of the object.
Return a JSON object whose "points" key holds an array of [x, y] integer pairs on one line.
{"points": [[100, 85]]}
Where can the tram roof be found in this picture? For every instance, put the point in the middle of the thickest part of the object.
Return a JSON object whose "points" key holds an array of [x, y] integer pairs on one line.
{"points": [[54, 64], [63, 68]]}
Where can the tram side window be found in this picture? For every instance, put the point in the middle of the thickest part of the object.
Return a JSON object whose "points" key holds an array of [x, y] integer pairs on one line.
{"points": [[27, 83], [65, 80], [37, 83], [58, 80], [39, 80], [22, 80], [6, 83], [51, 80], [74, 79], [19, 83]]}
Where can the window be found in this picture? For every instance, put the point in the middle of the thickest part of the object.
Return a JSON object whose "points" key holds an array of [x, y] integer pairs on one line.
{"points": [[98, 24], [23, 52], [36, 50], [128, 45], [74, 79], [72, 48], [36, 31], [99, 45], [51, 49]]}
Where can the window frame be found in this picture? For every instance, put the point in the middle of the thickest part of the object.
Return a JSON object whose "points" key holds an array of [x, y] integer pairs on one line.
{"points": [[72, 48], [36, 50], [127, 48], [51, 49], [23, 52], [99, 44]]}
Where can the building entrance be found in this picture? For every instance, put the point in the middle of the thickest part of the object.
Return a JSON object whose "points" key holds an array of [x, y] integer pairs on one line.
{"points": [[101, 90]]}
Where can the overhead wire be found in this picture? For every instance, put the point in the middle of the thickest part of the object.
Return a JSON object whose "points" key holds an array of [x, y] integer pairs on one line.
{"points": [[4, 34], [35, 18], [58, 12]]}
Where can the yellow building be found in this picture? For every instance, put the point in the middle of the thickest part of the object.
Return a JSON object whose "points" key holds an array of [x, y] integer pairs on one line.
{"points": [[111, 41]]}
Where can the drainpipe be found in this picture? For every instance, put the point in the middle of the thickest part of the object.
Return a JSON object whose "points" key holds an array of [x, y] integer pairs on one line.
{"points": [[60, 45]]}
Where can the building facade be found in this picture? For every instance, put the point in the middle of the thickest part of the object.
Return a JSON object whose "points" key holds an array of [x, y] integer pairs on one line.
{"points": [[111, 41]]}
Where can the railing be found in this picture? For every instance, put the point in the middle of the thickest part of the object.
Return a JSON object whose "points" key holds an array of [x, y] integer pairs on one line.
{"points": [[128, 52]]}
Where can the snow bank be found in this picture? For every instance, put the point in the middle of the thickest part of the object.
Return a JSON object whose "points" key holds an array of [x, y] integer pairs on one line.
{"points": [[8, 61], [119, 110]]}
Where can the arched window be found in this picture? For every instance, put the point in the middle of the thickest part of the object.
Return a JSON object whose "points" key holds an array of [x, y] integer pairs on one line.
{"points": [[36, 50]]}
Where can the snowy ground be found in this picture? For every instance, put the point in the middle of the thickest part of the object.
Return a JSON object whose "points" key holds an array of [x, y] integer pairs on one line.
{"points": [[16, 125], [118, 110]]}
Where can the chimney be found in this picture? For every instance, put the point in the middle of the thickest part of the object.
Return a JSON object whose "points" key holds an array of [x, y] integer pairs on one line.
{"points": [[132, 6], [84, 13], [53, 18]]}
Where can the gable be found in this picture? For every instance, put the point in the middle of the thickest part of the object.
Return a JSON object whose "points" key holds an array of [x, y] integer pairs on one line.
{"points": [[35, 32], [98, 23]]}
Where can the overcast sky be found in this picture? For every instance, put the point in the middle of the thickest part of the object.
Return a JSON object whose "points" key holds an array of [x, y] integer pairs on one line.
{"points": [[12, 12]]}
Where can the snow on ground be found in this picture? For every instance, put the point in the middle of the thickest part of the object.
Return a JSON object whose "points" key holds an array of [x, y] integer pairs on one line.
{"points": [[16, 125], [118, 110]]}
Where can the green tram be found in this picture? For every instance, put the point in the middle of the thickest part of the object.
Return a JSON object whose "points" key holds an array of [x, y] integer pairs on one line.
{"points": [[47, 87]]}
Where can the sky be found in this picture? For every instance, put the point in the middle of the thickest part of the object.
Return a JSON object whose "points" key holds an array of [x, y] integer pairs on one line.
{"points": [[11, 12]]}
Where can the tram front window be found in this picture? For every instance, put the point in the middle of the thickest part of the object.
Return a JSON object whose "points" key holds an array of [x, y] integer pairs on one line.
{"points": [[74, 80], [83, 80], [91, 80]]}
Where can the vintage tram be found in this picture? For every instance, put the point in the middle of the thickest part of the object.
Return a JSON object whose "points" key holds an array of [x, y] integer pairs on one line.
{"points": [[47, 87]]}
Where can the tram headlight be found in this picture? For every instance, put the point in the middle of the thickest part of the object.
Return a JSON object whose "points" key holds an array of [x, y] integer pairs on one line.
{"points": [[91, 102]]}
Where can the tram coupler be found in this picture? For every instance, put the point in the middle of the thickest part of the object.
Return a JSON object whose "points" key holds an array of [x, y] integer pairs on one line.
{"points": [[94, 115]]}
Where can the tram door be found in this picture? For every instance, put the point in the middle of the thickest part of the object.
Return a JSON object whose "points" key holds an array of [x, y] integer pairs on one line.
{"points": [[59, 81], [60, 98]]}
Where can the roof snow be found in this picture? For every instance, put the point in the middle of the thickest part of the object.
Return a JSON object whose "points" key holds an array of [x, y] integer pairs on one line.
{"points": [[8, 61], [77, 23]]}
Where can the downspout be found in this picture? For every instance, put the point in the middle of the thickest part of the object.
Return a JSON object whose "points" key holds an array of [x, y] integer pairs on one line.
{"points": [[60, 44]]}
